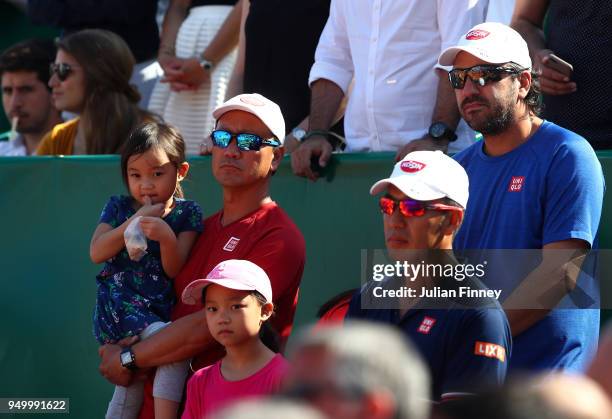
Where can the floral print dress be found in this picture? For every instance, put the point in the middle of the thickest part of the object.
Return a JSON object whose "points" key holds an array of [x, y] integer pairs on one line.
{"points": [[132, 295]]}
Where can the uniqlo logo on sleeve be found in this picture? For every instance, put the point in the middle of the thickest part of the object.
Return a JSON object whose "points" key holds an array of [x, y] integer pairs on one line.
{"points": [[490, 350], [426, 325], [231, 244], [516, 183]]}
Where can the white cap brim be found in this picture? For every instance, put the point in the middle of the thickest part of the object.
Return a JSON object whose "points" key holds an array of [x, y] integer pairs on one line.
{"points": [[447, 58], [414, 190]]}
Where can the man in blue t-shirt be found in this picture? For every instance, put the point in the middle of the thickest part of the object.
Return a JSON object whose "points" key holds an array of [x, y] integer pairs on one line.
{"points": [[533, 185], [464, 338]]}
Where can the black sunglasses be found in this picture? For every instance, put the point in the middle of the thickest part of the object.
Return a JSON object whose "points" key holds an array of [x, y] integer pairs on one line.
{"points": [[480, 74], [244, 141], [62, 70]]}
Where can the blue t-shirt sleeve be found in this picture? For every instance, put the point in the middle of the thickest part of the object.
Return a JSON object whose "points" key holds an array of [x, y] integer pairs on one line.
{"points": [[354, 310], [110, 212], [574, 194], [190, 217], [478, 353]]}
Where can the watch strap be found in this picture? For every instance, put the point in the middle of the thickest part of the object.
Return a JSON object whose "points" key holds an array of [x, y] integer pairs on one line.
{"points": [[448, 133], [336, 141], [130, 365]]}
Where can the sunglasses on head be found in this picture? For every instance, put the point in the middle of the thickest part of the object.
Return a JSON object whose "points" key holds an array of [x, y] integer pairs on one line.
{"points": [[479, 74], [62, 70], [411, 207], [244, 141]]}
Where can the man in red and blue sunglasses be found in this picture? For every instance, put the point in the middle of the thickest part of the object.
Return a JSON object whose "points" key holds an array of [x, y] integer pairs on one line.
{"points": [[465, 341]]}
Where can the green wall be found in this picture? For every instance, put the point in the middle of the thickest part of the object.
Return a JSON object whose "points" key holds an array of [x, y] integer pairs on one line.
{"points": [[49, 208]]}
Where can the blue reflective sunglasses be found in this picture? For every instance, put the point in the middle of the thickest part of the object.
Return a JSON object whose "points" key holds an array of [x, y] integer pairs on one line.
{"points": [[244, 141]]}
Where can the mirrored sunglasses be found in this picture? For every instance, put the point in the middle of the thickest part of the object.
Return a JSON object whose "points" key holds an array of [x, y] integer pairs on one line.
{"points": [[244, 141], [479, 74], [411, 207], [62, 70]]}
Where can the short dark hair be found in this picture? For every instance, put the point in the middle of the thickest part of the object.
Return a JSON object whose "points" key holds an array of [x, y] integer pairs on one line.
{"points": [[533, 100], [32, 55]]}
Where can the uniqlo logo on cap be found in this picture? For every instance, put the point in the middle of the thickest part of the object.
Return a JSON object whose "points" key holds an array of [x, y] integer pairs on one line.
{"points": [[411, 166], [490, 350], [476, 34], [426, 325], [516, 183], [231, 244]]}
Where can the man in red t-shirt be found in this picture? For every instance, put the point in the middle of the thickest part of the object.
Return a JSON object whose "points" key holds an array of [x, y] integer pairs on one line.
{"points": [[247, 151]]}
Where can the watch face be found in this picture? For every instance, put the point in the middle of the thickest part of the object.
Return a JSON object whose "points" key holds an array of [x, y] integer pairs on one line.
{"points": [[437, 130], [298, 133], [126, 358]]}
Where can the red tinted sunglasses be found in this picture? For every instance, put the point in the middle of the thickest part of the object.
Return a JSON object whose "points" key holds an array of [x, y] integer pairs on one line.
{"points": [[410, 207]]}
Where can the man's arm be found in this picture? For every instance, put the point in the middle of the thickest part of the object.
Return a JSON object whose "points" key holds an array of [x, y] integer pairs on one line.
{"points": [[527, 20], [329, 80], [547, 285], [454, 19], [291, 143], [326, 98], [182, 339], [445, 110]]}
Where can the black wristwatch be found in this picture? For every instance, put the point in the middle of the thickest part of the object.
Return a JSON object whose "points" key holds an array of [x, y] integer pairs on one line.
{"points": [[128, 359], [441, 131], [336, 141]]}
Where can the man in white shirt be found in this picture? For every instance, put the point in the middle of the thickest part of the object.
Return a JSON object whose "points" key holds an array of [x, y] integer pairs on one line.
{"points": [[399, 102], [26, 97]]}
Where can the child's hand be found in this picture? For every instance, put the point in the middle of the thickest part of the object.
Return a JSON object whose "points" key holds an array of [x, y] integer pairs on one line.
{"points": [[149, 209], [157, 229]]}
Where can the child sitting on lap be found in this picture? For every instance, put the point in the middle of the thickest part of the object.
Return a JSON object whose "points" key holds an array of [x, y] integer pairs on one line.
{"points": [[136, 297]]}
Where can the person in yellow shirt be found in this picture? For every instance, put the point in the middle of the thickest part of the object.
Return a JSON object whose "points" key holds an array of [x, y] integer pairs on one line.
{"points": [[90, 78]]}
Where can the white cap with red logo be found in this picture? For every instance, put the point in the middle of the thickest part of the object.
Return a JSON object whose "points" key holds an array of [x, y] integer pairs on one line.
{"points": [[492, 42], [235, 274], [267, 111], [428, 175]]}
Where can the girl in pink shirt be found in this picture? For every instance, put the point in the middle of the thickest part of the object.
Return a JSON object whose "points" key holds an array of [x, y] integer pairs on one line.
{"points": [[237, 297]]}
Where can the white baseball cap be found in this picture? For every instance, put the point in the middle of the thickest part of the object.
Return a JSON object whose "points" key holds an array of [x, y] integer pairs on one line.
{"points": [[235, 274], [428, 175], [258, 105], [492, 42]]}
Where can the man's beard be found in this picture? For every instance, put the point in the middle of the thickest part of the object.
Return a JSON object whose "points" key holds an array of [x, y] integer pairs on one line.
{"points": [[502, 116]]}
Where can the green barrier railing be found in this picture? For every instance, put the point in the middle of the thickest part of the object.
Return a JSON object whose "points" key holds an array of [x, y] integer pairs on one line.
{"points": [[49, 208]]}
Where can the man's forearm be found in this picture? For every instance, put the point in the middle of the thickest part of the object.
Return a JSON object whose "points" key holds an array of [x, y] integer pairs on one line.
{"points": [[182, 339], [445, 109], [545, 287], [326, 97]]}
